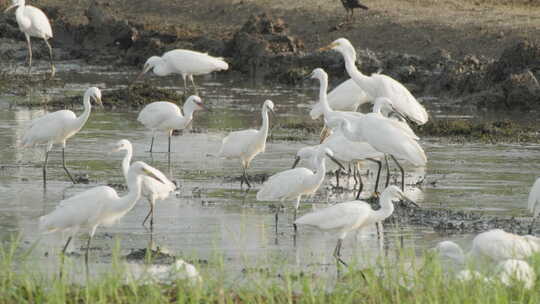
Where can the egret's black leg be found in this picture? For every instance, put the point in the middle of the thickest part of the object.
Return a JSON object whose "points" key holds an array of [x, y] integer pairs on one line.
{"points": [[294, 220], [170, 141], [387, 171], [337, 177], [65, 168], [29, 52], [531, 226], [45, 168], [194, 86], [402, 173], [62, 256], [53, 70], [337, 253], [379, 165], [276, 218], [361, 187], [152, 143], [246, 178], [150, 215], [86, 255]]}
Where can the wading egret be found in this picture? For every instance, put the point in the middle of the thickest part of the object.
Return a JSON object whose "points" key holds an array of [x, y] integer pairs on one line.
{"points": [[94, 207], [166, 116], [152, 189], [33, 23], [344, 150], [379, 85], [58, 127], [347, 96], [345, 217], [496, 245], [293, 183], [350, 5], [184, 62], [246, 144], [385, 135], [534, 202]]}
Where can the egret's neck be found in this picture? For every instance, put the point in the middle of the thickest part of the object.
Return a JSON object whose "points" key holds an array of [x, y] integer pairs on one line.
{"points": [[125, 203], [161, 68], [323, 96], [377, 108], [321, 169], [265, 122], [363, 81], [387, 208], [81, 120], [183, 121], [347, 131], [127, 161]]}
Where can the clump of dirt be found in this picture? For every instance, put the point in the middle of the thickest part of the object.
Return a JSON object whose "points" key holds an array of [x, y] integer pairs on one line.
{"points": [[154, 255], [139, 95]]}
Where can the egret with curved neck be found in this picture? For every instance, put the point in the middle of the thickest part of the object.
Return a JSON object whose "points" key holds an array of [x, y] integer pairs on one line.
{"points": [[152, 189], [58, 127], [33, 23], [246, 144], [380, 85], [94, 207]]}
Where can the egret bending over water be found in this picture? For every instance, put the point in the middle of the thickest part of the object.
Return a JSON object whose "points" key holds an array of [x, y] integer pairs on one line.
{"points": [[385, 135], [94, 207], [58, 127], [345, 217], [534, 202], [246, 144], [293, 183], [347, 96], [152, 189], [184, 62], [166, 116], [33, 23], [379, 85]]}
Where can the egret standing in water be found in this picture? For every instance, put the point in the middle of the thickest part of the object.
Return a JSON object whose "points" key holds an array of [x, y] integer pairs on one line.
{"points": [[184, 62], [33, 23], [246, 144], [58, 127], [534, 202], [94, 207], [293, 183], [152, 189], [166, 116], [385, 135], [345, 217], [379, 85]]}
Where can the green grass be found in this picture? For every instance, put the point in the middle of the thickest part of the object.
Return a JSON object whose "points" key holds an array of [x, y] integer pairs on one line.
{"points": [[387, 282]]}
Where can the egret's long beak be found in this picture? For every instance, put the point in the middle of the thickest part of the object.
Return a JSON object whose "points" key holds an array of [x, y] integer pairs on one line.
{"points": [[308, 77], [204, 107], [328, 47], [336, 161], [296, 161], [410, 201], [146, 68], [98, 101], [152, 175], [10, 7], [399, 114]]}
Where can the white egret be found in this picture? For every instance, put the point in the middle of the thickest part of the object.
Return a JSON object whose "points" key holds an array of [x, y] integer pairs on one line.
{"points": [[379, 85], [166, 116], [345, 217], [495, 245], [347, 96], [184, 62], [512, 272], [58, 127], [94, 207], [534, 202], [33, 23], [152, 189], [293, 183], [344, 150], [385, 135], [159, 273], [246, 144]]}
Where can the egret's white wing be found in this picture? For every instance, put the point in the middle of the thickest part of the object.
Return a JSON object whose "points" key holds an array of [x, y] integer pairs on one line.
{"points": [[191, 62], [157, 112], [338, 216], [48, 127], [237, 142], [284, 185], [40, 27], [500, 245], [347, 96], [534, 198]]}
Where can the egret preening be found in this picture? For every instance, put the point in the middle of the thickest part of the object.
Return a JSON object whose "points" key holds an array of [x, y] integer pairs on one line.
{"points": [[246, 144], [166, 116], [347, 96], [57, 127], [33, 23], [345, 217], [94, 207], [152, 189], [379, 85], [293, 183], [534, 202], [344, 150], [385, 135], [496, 245], [184, 62]]}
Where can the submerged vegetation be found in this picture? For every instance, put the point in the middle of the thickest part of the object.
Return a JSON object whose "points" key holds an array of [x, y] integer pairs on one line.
{"points": [[402, 279]]}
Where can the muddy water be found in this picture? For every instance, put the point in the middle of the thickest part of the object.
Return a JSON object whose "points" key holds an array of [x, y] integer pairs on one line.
{"points": [[210, 215]]}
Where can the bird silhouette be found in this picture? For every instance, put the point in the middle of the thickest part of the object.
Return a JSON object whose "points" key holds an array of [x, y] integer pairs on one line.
{"points": [[349, 6]]}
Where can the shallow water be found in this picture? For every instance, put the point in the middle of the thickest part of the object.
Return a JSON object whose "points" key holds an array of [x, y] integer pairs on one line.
{"points": [[210, 215]]}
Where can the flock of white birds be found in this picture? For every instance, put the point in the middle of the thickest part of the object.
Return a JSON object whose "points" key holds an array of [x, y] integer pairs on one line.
{"points": [[348, 136]]}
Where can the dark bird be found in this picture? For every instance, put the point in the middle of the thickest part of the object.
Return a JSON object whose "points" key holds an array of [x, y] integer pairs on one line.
{"points": [[350, 5]]}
